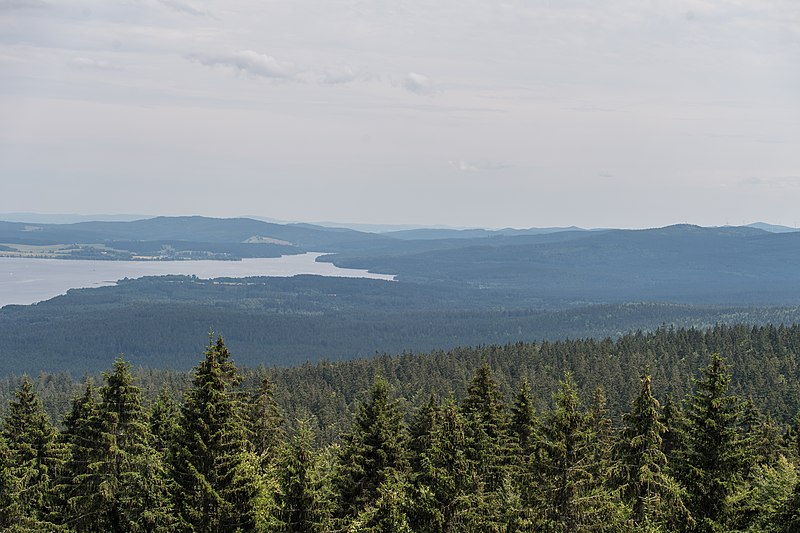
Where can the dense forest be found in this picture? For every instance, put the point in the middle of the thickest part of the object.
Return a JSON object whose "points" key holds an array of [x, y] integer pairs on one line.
{"points": [[678, 430], [160, 321]]}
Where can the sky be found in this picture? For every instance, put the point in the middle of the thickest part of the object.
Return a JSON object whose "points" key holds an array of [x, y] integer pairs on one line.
{"points": [[620, 113]]}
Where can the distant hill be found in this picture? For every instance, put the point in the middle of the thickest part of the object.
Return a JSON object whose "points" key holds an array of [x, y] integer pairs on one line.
{"points": [[680, 263], [455, 287], [232, 237], [476, 233], [772, 228]]}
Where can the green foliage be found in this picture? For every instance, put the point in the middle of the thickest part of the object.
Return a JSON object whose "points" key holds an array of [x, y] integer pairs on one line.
{"points": [[32, 460], [304, 497], [568, 494], [373, 452], [215, 476], [757, 503], [714, 457], [654, 495], [265, 424], [468, 464], [118, 480], [524, 421], [447, 487], [164, 421]]}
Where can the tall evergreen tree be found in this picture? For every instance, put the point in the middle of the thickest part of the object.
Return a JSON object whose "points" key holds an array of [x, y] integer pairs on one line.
{"points": [[655, 496], [714, 456], [423, 424], [265, 424], [303, 501], [388, 512], [9, 489], [216, 481], [524, 422], [164, 421], [674, 420], [374, 451], [448, 492], [487, 427], [565, 493], [35, 457], [123, 484], [81, 435]]}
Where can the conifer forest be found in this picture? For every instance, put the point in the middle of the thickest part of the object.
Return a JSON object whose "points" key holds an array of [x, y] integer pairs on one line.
{"points": [[665, 431]]}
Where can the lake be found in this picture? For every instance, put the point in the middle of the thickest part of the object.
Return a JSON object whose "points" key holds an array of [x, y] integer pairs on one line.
{"points": [[27, 281]]}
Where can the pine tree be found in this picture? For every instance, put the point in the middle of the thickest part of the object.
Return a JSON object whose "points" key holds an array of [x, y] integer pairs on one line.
{"points": [[565, 494], [81, 435], [655, 496], [303, 501], [448, 493], [9, 489], [425, 421], [374, 451], [524, 422], [760, 501], [714, 456], [787, 520], [602, 429], [123, 484], [35, 457], [217, 485], [164, 421], [674, 420], [265, 424], [487, 430], [388, 512]]}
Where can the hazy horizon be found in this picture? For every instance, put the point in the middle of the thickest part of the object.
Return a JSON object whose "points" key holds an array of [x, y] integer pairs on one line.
{"points": [[69, 218], [478, 114]]}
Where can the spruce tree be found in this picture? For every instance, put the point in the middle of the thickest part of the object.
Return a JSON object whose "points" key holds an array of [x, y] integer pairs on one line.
{"points": [[217, 485], [674, 420], [303, 501], [122, 485], [164, 421], [9, 489], [425, 421], [565, 494], [787, 519], [81, 435], [524, 422], [655, 496], [388, 512], [374, 451], [487, 430], [714, 456], [35, 457], [265, 424], [448, 493]]}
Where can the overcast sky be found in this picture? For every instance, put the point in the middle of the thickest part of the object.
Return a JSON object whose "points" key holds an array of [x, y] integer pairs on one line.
{"points": [[624, 113]]}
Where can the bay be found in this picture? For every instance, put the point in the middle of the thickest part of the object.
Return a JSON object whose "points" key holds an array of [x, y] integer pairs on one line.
{"points": [[26, 280]]}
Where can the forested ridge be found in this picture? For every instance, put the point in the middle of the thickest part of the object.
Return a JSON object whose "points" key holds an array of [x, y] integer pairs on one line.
{"points": [[676, 430], [160, 321]]}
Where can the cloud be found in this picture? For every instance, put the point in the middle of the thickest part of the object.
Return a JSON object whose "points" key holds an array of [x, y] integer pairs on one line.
{"points": [[335, 76], [472, 166], [417, 84], [89, 63], [11, 5], [184, 7], [249, 62], [464, 166]]}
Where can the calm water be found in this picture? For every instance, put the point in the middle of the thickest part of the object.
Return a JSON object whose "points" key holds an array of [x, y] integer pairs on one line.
{"points": [[26, 281]]}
